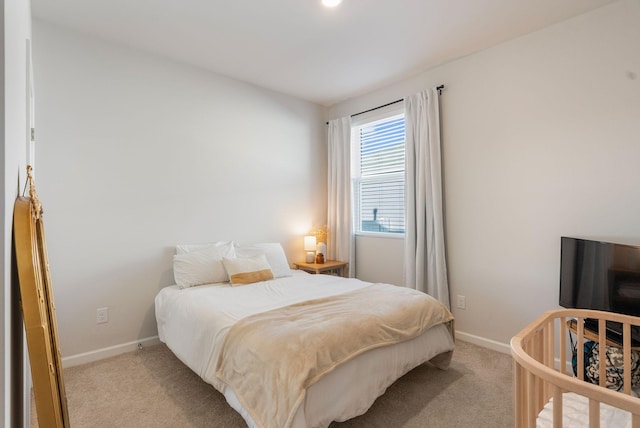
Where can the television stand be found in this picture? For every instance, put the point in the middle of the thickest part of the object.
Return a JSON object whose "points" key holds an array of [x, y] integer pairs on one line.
{"points": [[614, 337]]}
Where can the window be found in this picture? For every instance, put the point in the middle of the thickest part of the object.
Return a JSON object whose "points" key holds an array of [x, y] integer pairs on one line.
{"points": [[378, 175]]}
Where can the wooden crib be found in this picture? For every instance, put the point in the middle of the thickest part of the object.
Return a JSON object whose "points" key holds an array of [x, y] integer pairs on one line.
{"points": [[544, 372]]}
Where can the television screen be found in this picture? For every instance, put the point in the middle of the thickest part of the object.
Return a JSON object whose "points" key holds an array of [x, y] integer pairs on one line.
{"points": [[600, 275]]}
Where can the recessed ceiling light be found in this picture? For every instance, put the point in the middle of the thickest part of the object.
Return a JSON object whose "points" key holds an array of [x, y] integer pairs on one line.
{"points": [[331, 3]]}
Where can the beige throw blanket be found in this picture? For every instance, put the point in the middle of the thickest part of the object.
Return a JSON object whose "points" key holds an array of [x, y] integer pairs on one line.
{"points": [[270, 359]]}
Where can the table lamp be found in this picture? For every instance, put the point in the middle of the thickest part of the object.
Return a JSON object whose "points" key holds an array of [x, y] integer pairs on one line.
{"points": [[310, 248]]}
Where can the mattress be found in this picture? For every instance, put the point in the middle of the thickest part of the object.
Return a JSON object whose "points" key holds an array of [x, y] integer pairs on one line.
{"points": [[575, 414], [193, 322]]}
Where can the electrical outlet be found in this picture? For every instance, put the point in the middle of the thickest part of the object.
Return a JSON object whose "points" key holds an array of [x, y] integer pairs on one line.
{"points": [[102, 315], [462, 302]]}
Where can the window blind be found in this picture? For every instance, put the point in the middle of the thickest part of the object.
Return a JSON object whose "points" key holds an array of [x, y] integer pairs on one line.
{"points": [[379, 184]]}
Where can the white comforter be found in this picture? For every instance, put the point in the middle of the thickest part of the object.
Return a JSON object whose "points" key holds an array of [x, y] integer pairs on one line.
{"points": [[193, 323], [196, 319]]}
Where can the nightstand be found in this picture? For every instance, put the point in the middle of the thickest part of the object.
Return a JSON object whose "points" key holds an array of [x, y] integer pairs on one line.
{"points": [[332, 267]]}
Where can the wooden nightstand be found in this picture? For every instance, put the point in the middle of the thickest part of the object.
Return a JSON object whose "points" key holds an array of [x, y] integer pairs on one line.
{"points": [[333, 267]]}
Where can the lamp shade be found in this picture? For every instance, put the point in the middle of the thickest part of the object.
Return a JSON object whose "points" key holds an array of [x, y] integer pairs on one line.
{"points": [[310, 243]]}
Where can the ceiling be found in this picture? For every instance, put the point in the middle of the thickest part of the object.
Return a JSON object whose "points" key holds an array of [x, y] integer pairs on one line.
{"points": [[299, 47]]}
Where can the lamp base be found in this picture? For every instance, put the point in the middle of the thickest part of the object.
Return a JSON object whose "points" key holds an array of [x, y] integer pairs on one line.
{"points": [[311, 257]]}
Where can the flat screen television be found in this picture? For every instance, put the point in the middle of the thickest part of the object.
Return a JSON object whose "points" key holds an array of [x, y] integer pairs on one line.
{"points": [[600, 275]]}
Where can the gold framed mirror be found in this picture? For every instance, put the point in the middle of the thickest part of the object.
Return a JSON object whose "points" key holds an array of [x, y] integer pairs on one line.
{"points": [[38, 309]]}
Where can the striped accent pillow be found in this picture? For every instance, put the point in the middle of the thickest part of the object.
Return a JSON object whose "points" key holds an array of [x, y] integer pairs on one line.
{"points": [[248, 270]]}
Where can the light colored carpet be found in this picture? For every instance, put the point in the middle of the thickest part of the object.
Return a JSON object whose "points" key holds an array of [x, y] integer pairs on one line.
{"points": [[152, 388]]}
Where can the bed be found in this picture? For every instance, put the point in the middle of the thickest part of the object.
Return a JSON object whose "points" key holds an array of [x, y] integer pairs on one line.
{"points": [[288, 350], [550, 389]]}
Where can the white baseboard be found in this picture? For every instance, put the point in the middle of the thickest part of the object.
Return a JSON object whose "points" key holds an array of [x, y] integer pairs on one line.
{"points": [[485, 343], [111, 351]]}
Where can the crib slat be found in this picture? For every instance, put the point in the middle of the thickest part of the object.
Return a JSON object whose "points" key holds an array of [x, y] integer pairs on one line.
{"points": [[533, 381], [541, 399], [557, 407], [549, 357], [594, 414], [602, 351], [562, 345], [626, 355], [532, 414], [580, 347], [519, 404]]}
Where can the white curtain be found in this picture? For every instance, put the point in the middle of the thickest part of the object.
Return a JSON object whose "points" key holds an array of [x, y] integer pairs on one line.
{"points": [[340, 245], [425, 264]]}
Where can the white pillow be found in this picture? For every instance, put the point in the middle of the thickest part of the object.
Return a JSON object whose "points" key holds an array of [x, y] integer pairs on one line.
{"points": [[189, 248], [275, 256], [248, 270], [201, 267]]}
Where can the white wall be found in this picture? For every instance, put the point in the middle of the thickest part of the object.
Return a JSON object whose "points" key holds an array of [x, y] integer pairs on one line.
{"points": [[380, 259], [137, 153], [16, 30], [541, 138]]}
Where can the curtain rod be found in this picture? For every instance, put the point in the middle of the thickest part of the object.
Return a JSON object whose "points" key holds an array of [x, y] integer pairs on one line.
{"points": [[438, 88]]}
